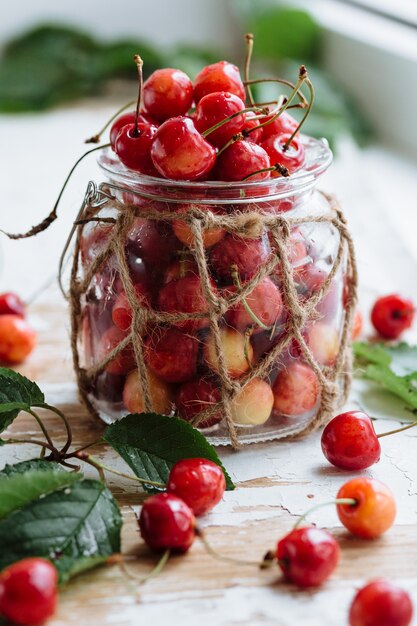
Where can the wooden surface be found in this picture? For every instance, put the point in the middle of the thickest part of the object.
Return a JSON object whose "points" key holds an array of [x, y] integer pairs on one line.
{"points": [[276, 482]]}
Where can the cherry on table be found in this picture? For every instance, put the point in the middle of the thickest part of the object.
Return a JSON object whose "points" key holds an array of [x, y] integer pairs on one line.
{"points": [[381, 603], [199, 482], [296, 389], [167, 92], [196, 396], [307, 556], [374, 512], [28, 591], [17, 339], [180, 152], [220, 76], [391, 315], [349, 441], [167, 523], [216, 107], [10, 303]]}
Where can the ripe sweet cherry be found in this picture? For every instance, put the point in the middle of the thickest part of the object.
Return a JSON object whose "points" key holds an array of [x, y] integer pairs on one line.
{"points": [[167, 523], [10, 303], [242, 159], [292, 158], [160, 392], [185, 295], [237, 352], [180, 152], [261, 307], [253, 404], [296, 389], [199, 482], [392, 315], [213, 109], [124, 361], [381, 603], [17, 339], [122, 311], [220, 76], [196, 396], [307, 556], [374, 512], [242, 254], [283, 124], [167, 93], [349, 441], [183, 231], [124, 120], [172, 354], [28, 591]]}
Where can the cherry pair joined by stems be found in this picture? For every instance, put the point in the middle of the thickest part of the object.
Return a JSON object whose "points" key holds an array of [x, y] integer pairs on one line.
{"points": [[349, 441]]}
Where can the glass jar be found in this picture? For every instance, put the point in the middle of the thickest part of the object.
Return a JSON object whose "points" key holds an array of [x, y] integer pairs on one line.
{"points": [[233, 317]]}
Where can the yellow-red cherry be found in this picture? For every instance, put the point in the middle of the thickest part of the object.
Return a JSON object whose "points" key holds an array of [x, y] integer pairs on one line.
{"points": [[28, 591], [220, 76], [381, 603], [349, 441], [375, 509], [166, 522], [199, 482]]}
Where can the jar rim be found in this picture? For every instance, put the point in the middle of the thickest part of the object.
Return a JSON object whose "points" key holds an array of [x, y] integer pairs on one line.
{"points": [[318, 157]]}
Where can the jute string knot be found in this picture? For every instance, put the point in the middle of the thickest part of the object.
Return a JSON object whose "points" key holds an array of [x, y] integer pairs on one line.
{"points": [[334, 380]]}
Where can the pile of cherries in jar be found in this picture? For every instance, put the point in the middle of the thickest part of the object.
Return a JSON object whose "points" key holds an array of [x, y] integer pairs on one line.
{"points": [[164, 138]]}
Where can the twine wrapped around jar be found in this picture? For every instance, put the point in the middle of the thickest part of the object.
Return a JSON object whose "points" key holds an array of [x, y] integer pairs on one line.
{"points": [[334, 380]]}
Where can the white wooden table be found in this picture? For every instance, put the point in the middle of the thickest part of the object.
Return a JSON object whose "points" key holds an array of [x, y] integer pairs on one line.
{"points": [[276, 481]]}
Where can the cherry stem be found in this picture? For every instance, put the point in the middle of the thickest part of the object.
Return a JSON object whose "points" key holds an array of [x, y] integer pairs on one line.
{"points": [[305, 116], [42, 427], [228, 559], [348, 501], [96, 138], [238, 285], [249, 50], [87, 445], [254, 109], [101, 466], [397, 430], [139, 65], [281, 81], [248, 333], [61, 415], [302, 76], [274, 168], [35, 442], [152, 574]]}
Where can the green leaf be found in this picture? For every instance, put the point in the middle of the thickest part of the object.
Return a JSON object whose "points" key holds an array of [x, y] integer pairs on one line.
{"points": [[77, 528], [19, 391], [151, 444], [282, 33], [27, 481], [392, 366]]}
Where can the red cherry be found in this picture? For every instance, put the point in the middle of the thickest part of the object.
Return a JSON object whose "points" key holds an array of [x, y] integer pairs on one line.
{"points": [[349, 441], [381, 603], [125, 361], [172, 355], [185, 295], [133, 147], [122, 311], [220, 76], [179, 269], [196, 396], [283, 124], [17, 339], [180, 152], [308, 556], [241, 159], [28, 591], [296, 389], [374, 512], [167, 93], [151, 242], [11, 303], [124, 120], [292, 158], [247, 255], [252, 122], [199, 482], [167, 523], [392, 315], [264, 300], [216, 107]]}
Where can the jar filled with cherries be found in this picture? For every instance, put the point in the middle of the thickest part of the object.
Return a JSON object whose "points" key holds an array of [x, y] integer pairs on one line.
{"points": [[212, 280]]}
